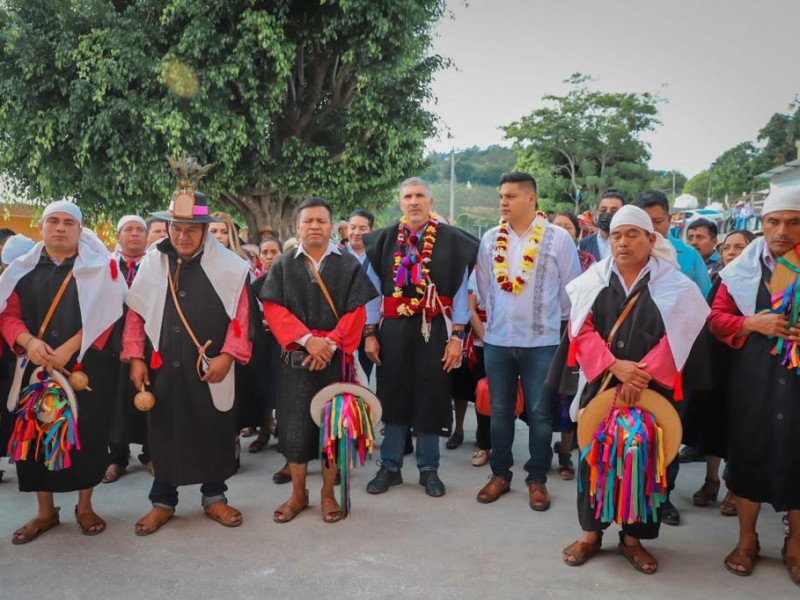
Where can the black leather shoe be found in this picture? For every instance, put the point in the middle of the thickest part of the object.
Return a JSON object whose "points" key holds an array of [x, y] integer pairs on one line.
{"points": [[432, 484], [383, 480], [690, 454], [670, 514]]}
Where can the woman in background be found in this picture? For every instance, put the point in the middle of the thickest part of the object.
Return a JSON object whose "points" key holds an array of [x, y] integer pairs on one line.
{"points": [[562, 422]]}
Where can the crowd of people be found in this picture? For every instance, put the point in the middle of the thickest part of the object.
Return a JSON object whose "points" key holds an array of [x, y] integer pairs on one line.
{"points": [[203, 340]]}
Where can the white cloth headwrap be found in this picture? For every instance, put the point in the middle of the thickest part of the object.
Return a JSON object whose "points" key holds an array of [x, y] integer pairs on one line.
{"points": [[781, 198], [742, 276], [227, 274], [16, 246], [63, 206], [633, 215], [683, 308], [100, 297], [130, 218]]}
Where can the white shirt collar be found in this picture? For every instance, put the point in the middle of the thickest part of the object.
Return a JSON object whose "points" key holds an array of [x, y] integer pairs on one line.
{"points": [[645, 270], [332, 249]]}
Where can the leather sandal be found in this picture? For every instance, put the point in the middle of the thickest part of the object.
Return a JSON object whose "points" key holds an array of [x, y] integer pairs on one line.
{"points": [[282, 476], [792, 564], [707, 494], [331, 511], [90, 520], [289, 510], [637, 556], [113, 472], [34, 528], [566, 470], [727, 508], [581, 551], [224, 514], [454, 441], [153, 520], [258, 444], [743, 558]]}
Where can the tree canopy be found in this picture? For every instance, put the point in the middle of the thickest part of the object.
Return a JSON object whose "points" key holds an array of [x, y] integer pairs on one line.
{"points": [[289, 98], [586, 141], [734, 172], [473, 165]]}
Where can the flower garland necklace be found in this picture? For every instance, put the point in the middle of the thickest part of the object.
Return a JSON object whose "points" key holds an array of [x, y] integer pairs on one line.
{"points": [[410, 268], [500, 261]]}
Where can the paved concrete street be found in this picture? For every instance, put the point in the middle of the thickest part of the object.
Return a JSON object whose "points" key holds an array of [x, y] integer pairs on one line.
{"points": [[402, 544]]}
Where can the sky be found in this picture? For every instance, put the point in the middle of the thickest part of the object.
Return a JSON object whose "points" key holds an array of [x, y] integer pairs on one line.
{"points": [[724, 66]]}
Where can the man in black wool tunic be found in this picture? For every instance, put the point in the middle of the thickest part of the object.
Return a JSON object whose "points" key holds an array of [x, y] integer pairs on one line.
{"points": [[189, 315], [421, 266], [59, 304], [319, 340]]}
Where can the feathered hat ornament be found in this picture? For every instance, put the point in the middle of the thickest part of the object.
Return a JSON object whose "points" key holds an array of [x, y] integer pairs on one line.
{"points": [[188, 205]]}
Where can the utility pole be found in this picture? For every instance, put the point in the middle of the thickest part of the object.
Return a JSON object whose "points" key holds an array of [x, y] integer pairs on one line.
{"points": [[452, 186], [673, 184]]}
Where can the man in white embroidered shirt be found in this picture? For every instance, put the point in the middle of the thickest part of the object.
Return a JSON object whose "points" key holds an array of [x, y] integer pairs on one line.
{"points": [[523, 266]]}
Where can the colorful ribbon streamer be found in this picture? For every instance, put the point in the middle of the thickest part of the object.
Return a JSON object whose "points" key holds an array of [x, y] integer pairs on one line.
{"points": [[787, 303], [627, 467], [54, 439], [346, 438]]}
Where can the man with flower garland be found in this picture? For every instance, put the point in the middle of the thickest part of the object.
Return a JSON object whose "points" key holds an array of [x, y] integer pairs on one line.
{"points": [[523, 266], [421, 267]]}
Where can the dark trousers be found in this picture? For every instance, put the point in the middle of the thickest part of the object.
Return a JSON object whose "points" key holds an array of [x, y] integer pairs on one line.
{"points": [[120, 452], [166, 495], [483, 433], [366, 363]]}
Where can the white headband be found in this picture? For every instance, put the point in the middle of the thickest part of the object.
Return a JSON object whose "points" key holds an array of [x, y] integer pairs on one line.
{"points": [[16, 246], [632, 215], [129, 219], [63, 206], [781, 198], [635, 216]]}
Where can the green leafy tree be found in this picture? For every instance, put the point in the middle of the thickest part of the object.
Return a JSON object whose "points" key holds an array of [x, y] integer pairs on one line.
{"points": [[591, 138], [663, 180], [698, 186], [733, 171], [780, 136], [289, 98]]}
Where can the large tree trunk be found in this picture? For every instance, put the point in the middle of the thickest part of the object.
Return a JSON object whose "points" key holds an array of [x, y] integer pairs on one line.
{"points": [[264, 208]]}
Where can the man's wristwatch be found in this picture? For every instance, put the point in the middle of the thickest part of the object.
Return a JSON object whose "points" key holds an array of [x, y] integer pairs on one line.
{"points": [[458, 335], [369, 331]]}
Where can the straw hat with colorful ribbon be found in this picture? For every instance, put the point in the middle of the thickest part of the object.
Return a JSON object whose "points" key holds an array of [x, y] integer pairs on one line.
{"points": [[626, 450], [46, 426], [346, 414]]}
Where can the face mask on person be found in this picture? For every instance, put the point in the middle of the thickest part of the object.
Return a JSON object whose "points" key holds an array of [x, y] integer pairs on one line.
{"points": [[604, 221]]}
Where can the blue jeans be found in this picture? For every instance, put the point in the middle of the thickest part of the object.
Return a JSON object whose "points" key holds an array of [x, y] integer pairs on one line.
{"points": [[504, 365], [394, 443], [165, 495]]}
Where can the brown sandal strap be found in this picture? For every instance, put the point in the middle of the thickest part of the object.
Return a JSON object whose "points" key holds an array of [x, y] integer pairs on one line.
{"points": [[224, 514], [581, 551], [638, 556], [34, 528], [742, 558], [153, 520]]}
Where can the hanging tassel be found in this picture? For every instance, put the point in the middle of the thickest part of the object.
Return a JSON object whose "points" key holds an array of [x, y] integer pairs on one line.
{"points": [[572, 354], [236, 328], [114, 267], [155, 360], [677, 388]]}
